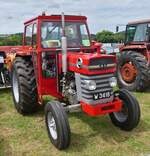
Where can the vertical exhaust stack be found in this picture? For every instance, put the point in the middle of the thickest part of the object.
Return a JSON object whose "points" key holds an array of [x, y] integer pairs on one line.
{"points": [[64, 46]]}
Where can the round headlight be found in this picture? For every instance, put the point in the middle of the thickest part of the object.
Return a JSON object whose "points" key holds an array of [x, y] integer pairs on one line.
{"points": [[79, 62], [90, 84], [113, 82]]}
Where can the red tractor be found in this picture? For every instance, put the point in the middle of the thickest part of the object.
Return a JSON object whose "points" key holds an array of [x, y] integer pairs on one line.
{"points": [[4, 71], [58, 59], [134, 63]]}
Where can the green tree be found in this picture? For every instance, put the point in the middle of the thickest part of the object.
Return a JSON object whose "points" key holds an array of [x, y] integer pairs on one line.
{"points": [[11, 40], [105, 37], [119, 37]]}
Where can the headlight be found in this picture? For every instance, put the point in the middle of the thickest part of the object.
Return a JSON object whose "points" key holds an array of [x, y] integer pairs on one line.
{"points": [[79, 62], [90, 84], [113, 82]]}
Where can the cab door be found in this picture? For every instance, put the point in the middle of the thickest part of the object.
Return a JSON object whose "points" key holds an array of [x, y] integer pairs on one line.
{"points": [[47, 58]]}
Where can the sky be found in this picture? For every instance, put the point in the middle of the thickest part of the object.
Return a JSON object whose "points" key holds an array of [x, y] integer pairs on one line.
{"points": [[101, 14]]}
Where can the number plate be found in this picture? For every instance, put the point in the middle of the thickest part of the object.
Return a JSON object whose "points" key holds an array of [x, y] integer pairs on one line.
{"points": [[1, 59], [102, 95]]}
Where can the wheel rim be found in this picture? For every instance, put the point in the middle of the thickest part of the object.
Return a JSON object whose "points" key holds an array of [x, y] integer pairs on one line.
{"points": [[128, 72], [15, 87], [52, 125], [122, 115]]}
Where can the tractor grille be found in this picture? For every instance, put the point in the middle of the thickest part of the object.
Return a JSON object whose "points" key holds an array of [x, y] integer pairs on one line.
{"points": [[98, 61], [103, 86]]}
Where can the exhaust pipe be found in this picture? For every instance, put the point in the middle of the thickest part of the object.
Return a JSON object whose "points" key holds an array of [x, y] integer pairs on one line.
{"points": [[64, 46]]}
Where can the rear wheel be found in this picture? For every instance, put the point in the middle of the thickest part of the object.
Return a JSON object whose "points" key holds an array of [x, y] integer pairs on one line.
{"points": [[57, 125], [24, 88], [132, 71], [129, 116]]}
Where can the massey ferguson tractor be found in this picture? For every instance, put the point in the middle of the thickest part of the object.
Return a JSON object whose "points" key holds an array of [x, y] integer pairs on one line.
{"points": [[57, 58], [133, 71]]}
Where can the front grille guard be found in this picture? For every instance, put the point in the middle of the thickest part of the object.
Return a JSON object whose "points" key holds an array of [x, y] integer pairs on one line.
{"points": [[102, 82]]}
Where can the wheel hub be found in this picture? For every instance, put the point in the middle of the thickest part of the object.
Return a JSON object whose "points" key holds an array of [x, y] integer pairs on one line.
{"points": [[15, 87], [122, 115], [52, 126], [128, 72]]}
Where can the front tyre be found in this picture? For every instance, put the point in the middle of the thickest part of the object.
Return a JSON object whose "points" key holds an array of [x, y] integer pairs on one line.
{"points": [[57, 125], [129, 116]]}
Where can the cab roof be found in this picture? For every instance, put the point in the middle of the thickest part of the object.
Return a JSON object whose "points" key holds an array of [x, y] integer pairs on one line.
{"points": [[139, 22], [57, 18]]}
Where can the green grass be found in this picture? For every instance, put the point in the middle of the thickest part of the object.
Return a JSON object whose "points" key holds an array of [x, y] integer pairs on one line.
{"points": [[27, 136]]}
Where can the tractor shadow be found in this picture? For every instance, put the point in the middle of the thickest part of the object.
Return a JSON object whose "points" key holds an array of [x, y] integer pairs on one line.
{"points": [[145, 91], [100, 128], [5, 91], [40, 110]]}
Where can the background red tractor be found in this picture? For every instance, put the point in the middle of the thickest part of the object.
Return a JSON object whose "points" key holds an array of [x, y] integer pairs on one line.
{"points": [[134, 63], [4, 70], [58, 59]]}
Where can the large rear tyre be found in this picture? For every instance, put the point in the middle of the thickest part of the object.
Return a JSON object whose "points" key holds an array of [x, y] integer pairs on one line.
{"points": [[132, 71], [129, 116], [24, 88], [57, 125]]}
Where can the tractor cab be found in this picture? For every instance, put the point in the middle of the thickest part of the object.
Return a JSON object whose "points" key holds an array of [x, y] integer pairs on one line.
{"points": [[45, 32], [138, 32]]}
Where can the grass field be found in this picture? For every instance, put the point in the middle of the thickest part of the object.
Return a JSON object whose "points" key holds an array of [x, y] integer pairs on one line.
{"points": [[27, 136]]}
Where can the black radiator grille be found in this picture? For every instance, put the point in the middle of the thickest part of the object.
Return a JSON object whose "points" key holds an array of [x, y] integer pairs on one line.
{"points": [[97, 61]]}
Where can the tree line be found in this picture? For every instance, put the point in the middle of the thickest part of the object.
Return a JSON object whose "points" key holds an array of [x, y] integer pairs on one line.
{"points": [[104, 36], [11, 40]]}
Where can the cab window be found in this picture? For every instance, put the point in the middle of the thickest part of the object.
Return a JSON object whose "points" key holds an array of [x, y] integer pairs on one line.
{"points": [[51, 34], [28, 36], [84, 36], [76, 33], [34, 36]]}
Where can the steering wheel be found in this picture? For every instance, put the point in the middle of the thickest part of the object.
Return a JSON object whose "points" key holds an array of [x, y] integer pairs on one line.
{"points": [[74, 42]]}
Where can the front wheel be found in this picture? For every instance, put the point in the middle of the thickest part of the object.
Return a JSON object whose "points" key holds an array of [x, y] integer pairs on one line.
{"points": [[57, 125], [129, 116]]}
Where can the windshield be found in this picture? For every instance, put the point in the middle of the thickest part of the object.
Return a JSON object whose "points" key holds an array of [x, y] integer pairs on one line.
{"points": [[76, 33], [137, 33]]}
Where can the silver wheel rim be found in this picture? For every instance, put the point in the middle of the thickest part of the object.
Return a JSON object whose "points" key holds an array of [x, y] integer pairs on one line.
{"points": [[15, 87], [52, 125], [122, 115]]}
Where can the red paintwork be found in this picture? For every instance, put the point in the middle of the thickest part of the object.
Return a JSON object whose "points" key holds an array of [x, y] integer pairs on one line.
{"points": [[19, 50], [138, 47], [86, 57], [73, 57], [48, 86], [127, 47], [101, 109], [8, 49], [58, 18]]}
